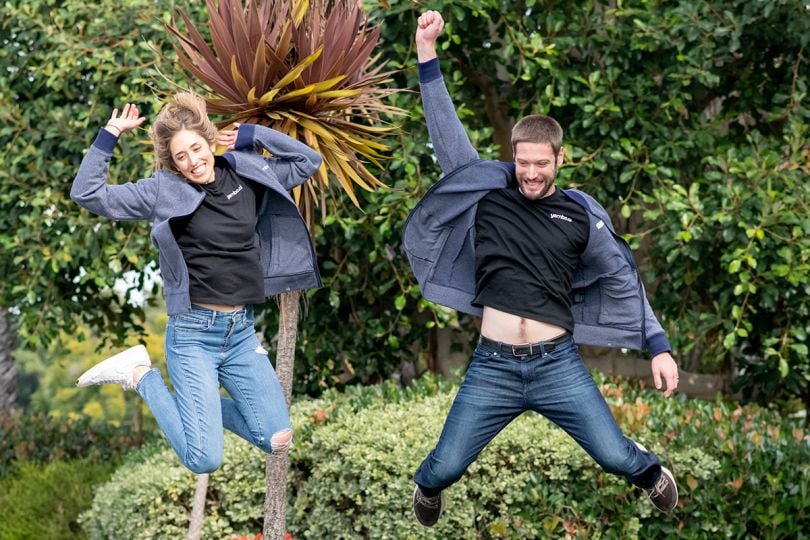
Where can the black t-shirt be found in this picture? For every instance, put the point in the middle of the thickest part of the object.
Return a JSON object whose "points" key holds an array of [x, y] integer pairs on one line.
{"points": [[219, 241], [526, 252]]}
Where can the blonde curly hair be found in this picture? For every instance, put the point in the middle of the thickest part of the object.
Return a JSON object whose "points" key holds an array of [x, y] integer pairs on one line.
{"points": [[185, 110]]}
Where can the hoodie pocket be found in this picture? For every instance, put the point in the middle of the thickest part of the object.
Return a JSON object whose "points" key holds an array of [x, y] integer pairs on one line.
{"points": [[620, 304], [290, 250]]}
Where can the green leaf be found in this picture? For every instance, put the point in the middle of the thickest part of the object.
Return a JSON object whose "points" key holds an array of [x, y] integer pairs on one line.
{"points": [[784, 368], [734, 266]]}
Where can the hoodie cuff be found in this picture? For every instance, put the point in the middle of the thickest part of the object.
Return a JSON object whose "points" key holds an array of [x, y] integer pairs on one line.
{"points": [[658, 344], [429, 71], [244, 137], [105, 141]]}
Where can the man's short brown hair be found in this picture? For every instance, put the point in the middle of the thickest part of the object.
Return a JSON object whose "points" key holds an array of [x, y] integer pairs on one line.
{"points": [[537, 128]]}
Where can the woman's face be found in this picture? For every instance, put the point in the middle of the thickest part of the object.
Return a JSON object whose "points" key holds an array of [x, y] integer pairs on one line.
{"points": [[193, 156]]}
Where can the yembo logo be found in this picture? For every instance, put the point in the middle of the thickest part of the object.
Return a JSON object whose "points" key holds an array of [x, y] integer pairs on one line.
{"points": [[237, 190], [560, 216]]}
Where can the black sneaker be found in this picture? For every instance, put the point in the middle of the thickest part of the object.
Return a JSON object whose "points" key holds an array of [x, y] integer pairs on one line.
{"points": [[428, 510], [664, 494]]}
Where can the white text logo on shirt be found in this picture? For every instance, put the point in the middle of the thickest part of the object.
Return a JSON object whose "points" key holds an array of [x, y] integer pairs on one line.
{"points": [[560, 216], [237, 190]]}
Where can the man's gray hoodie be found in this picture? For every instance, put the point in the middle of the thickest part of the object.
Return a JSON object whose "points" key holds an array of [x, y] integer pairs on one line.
{"points": [[287, 256], [609, 303]]}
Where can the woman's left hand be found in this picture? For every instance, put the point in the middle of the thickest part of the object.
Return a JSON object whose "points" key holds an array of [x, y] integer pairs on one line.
{"points": [[227, 138]]}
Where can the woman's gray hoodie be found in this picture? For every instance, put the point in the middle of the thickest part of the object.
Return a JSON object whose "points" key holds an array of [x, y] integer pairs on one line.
{"points": [[287, 255]]}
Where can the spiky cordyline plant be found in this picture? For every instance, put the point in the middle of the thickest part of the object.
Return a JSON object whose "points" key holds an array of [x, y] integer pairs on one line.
{"points": [[304, 68]]}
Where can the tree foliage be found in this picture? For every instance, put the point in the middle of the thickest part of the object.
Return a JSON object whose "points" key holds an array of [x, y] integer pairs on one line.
{"points": [[687, 119], [307, 69], [65, 65]]}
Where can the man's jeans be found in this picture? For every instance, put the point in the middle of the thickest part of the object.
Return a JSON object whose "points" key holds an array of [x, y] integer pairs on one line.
{"points": [[498, 387], [203, 349]]}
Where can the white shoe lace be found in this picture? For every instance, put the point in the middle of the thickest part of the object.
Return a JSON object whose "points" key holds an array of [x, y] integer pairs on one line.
{"points": [[428, 502], [658, 489]]}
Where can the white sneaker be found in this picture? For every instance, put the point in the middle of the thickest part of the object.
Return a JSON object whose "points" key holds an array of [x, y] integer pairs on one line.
{"points": [[116, 369]]}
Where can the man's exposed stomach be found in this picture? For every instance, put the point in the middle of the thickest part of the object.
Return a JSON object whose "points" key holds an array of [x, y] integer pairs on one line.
{"points": [[514, 329]]}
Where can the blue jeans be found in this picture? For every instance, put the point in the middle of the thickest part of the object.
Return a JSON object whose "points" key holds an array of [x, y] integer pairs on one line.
{"points": [[498, 387], [203, 349]]}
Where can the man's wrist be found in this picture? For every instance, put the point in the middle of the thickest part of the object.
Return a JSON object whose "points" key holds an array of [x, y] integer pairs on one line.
{"points": [[117, 131], [426, 51]]}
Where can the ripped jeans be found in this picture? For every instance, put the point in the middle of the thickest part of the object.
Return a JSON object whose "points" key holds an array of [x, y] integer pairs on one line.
{"points": [[206, 348]]}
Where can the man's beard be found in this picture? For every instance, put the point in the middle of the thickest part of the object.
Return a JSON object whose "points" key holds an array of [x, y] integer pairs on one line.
{"points": [[548, 185]]}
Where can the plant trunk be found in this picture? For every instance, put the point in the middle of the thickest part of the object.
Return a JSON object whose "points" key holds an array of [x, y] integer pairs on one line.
{"points": [[806, 396], [8, 370], [276, 465], [138, 421], [198, 508]]}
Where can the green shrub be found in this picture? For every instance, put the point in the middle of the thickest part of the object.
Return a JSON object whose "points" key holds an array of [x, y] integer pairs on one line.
{"points": [[42, 438], [150, 496], [686, 119], [44, 501], [743, 472], [738, 262]]}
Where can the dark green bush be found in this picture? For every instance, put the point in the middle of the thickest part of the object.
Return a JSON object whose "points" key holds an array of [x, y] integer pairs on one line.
{"points": [[686, 119], [44, 501], [743, 472], [42, 438], [702, 106], [749, 210]]}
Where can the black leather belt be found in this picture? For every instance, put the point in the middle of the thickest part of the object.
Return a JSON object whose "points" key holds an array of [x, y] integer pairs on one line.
{"points": [[525, 349]]}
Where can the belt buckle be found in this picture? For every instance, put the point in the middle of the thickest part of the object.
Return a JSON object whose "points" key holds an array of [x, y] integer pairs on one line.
{"points": [[515, 353]]}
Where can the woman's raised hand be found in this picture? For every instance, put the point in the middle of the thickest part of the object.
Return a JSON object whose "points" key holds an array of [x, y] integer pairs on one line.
{"points": [[127, 120], [227, 138]]}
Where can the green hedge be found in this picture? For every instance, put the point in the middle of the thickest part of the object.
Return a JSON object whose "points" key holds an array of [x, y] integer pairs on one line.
{"points": [[150, 496], [743, 472], [42, 438], [44, 501]]}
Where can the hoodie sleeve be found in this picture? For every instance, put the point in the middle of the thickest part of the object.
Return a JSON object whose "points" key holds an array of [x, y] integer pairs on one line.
{"points": [[90, 190], [450, 141], [656, 339], [292, 161], [614, 261]]}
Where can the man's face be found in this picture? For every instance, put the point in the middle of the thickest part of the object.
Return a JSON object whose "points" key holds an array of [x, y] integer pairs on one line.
{"points": [[536, 168]]}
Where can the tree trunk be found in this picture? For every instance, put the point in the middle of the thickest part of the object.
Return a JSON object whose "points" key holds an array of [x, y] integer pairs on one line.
{"points": [[496, 105], [198, 508], [276, 465], [138, 423], [8, 371]]}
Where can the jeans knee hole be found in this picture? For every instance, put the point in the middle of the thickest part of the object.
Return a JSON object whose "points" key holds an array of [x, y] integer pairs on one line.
{"points": [[281, 441]]}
